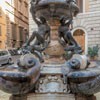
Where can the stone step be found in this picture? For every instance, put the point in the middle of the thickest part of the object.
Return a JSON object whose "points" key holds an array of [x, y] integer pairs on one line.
{"points": [[55, 96], [51, 97]]}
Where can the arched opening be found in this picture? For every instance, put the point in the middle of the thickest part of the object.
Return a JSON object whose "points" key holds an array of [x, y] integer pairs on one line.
{"points": [[79, 36]]}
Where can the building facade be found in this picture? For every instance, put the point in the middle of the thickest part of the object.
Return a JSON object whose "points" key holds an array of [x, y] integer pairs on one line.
{"points": [[86, 26], [15, 14], [2, 26]]}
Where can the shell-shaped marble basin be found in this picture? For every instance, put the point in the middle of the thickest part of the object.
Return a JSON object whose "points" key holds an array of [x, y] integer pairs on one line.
{"points": [[55, 9]]}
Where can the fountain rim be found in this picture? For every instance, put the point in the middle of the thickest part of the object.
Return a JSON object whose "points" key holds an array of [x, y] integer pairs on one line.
{"points": [[52, 2]]}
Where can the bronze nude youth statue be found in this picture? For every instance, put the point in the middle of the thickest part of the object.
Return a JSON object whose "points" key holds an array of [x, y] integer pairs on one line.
{"points": [[43, 32], [42, 35], [65, 33]]}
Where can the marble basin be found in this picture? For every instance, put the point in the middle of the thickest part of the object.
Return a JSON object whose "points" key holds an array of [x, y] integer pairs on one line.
{"points": [[55, 9]]}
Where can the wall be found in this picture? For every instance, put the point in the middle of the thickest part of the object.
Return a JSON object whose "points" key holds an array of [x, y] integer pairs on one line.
{"points": [[2, 25], [90, 22], [2, 30], [94, 5], [17, 21]]}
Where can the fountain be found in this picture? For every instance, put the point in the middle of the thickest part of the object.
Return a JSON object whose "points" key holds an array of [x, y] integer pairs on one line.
{"points": [[43, 72]]}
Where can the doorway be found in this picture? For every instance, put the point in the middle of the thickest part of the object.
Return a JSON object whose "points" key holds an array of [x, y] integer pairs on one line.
{"points": [[79, 36]]}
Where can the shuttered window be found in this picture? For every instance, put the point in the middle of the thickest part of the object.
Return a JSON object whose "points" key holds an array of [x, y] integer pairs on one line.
{"points": [[0, 11]]}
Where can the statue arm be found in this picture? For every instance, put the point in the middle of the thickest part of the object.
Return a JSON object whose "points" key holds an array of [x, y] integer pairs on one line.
{"points": [[33, 12], [47, 36], [62, 42], [44, 44], [74, 7], [70, 23], [71, 39], [47, 41], [73, 45], [61, 39], [35, 1]]}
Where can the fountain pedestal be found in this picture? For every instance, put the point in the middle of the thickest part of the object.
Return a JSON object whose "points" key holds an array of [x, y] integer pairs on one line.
{"points": [[55, 50], [51, 85], [51, 97], [19, 97]]}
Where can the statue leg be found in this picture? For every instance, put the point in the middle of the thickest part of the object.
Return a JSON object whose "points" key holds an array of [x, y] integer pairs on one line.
{"points": [[40, 38], [73, 45], [31, 38], [71, 39], [37, 1]]}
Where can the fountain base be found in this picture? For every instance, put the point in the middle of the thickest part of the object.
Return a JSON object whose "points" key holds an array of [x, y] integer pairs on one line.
{"points": [[18, 97], [51, 97]]}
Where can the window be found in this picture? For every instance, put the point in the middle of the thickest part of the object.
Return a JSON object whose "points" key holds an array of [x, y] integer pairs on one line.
{"points": [[26, 9], [80, 5], [8, 23], [14, 31], [19, 5], [21, 35], [0, 11]]}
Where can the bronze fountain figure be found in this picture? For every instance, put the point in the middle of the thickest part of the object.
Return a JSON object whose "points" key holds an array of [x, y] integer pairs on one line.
{"points": [[42, 69]]}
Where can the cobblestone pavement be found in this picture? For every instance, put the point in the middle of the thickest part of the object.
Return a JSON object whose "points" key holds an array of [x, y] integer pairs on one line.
{"points": [[5, 96]]}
